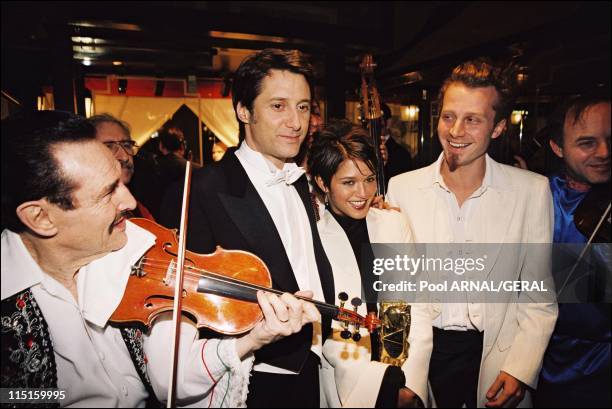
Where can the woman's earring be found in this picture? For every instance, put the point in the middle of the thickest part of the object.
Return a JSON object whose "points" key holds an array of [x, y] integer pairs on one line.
{"points": [[326, 200]]}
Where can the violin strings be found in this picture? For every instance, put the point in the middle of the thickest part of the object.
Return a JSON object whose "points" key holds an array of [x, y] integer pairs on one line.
{"points": [[198, 274], [210, 274], [163, 264], [164, 267], [236, 282], [214, 276], [189, 270]]}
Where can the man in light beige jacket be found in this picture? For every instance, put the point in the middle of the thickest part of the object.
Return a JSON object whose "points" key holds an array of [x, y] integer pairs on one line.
{"points": [[484, 354]]}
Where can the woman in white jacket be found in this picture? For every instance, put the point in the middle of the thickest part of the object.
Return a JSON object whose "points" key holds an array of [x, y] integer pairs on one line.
{"points": [[342, 164]]}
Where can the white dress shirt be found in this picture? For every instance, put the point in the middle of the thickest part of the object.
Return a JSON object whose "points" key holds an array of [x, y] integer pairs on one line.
{"points": [[461, 316], [93, 363], [291, 221]]}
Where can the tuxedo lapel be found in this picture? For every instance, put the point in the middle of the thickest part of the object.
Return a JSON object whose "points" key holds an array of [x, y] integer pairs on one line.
{"points": [[250, 215], [347, 274], [325, 271]]}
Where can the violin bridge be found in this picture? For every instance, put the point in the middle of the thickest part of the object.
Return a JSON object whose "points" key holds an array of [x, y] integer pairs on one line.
{"points": [[170, 273]]}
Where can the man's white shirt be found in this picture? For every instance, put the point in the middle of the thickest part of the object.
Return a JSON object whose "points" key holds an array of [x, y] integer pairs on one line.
{"points": [[291, 221], [459, 315]]}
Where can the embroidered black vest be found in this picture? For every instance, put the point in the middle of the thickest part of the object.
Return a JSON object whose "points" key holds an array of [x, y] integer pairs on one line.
{"points": [[28, 360]]}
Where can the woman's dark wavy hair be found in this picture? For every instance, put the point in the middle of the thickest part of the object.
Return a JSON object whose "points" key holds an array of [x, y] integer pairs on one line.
{"points": [[338, 141], [30, 170]]}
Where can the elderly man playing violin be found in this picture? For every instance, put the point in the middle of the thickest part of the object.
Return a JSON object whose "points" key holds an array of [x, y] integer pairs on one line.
{"points": [[67, 252]]}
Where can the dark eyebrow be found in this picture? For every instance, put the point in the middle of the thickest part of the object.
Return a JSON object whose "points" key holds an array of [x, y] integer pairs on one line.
{"points": [[286, 99], [355, 177], [109, 189], [446, 111], [585, 138]]}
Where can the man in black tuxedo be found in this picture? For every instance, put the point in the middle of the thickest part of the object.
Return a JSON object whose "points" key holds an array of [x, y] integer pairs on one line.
{"points": [[256, 199], [398, 159]]}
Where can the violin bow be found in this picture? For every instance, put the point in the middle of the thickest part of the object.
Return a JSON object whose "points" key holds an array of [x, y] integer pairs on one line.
{"points": [[605, 214], [178, 288]]}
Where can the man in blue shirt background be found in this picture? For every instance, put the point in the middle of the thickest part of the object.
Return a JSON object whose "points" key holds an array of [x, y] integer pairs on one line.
{"points": [[576, 368]]}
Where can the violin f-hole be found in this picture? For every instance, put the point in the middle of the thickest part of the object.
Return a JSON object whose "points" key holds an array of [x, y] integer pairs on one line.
{"points": [[167, 245]]}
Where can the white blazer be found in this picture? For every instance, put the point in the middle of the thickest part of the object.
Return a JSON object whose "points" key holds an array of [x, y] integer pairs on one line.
{"points": [[516, 208], [348, 377]]}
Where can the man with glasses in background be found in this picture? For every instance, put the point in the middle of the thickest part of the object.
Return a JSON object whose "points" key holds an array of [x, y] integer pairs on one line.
{"points": [[115, 134]]}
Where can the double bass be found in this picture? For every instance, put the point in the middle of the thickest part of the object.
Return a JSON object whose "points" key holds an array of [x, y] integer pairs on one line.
{"points": [[394, 316], [371, 116]]}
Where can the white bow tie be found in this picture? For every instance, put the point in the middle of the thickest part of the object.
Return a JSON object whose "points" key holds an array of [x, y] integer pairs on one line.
{"points": [[288, 176]]}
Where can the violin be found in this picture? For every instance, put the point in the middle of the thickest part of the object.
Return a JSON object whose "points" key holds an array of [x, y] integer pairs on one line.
{"points": [[592, 216], [219, 289]]}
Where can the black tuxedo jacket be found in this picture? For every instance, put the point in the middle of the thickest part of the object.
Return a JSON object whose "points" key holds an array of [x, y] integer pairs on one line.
{"points": [[226, 210]]}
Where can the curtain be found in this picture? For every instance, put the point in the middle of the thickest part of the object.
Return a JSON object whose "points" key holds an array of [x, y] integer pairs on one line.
{"points": [[145, 115], [218, 115]]}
